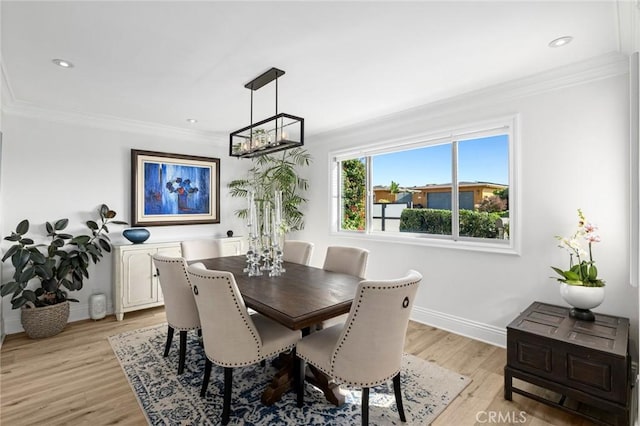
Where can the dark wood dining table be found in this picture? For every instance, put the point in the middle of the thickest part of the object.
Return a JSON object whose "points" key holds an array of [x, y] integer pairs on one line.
{"points": [[299, 299]]}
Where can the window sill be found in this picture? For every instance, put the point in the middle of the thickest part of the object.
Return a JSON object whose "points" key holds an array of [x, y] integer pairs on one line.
{"points": [[431, 241]]}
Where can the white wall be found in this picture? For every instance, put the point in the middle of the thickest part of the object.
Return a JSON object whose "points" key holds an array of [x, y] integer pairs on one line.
{"points": [[573, 154], [52, 170]]}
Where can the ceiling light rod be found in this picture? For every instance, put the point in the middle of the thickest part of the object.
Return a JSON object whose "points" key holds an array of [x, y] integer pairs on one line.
{"points": [[262, 80], [269, 135]]}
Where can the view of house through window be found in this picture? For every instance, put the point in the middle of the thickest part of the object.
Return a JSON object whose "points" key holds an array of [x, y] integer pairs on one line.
{"points": [[455, 187]]}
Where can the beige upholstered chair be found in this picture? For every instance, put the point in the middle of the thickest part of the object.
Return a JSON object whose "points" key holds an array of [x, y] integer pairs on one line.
{"points": [[297, 251], [346, 260], [200, 249], [232, 337], [367, 350], [179, 305]]}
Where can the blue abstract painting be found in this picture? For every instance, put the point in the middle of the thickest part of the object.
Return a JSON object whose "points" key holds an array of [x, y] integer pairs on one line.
{"points": [[176, 189]]}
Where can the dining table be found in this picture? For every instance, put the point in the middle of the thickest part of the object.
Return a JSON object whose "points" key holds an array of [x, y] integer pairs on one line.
{"points": [[300, 298]]}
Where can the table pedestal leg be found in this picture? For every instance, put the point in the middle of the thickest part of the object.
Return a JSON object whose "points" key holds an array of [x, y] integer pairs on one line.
{"points": [[331, 389], [283, 380]]}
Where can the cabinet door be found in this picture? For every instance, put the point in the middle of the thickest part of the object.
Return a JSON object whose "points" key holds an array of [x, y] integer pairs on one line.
{"points": [[173, 251], [230, 247], [139, 283]]}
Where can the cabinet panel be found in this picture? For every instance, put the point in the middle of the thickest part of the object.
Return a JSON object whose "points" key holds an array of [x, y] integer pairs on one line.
{"points": [[172, 251], [139, 274], [231, 247], [136, 285], [135, 281], [585, 361]]}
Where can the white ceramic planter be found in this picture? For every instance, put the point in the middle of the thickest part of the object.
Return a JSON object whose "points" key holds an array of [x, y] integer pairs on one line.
{"points": [[582, 297]]}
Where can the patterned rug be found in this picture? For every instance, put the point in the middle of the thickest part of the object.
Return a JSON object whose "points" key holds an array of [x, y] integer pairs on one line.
{"points": [[169, 399]]}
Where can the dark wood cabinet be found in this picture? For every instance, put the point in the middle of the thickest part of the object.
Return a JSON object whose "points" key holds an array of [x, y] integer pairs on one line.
{"points": [[583, 361]]}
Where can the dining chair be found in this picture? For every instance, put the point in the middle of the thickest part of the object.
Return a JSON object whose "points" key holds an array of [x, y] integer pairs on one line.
{"points": [[346, 260], [179, 304], [232, 337], [367, 350], [297, 251], [201, 249]]}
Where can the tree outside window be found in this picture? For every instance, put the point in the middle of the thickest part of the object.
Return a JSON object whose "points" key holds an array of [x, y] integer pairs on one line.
{"points": [[353, 194]]}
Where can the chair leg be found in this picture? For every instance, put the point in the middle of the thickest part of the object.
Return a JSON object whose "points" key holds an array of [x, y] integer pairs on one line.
{"points": [[167, 345], [365, 406], [226, 404], [205, 379], [296, 371], [183, 351], [396, 390], [300, 367]]}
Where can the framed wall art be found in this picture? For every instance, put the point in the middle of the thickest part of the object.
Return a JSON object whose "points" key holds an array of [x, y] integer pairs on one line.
{"points": [[174, 189]]}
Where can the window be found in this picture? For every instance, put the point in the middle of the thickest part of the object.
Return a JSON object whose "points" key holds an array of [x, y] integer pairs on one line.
{"points": [[454, 187]]}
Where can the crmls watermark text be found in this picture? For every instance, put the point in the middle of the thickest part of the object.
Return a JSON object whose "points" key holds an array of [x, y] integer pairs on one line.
{"points": [[501, 417]]}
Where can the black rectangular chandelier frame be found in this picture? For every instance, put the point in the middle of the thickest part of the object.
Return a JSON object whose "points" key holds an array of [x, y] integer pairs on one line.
{"points": [[276, 133]]}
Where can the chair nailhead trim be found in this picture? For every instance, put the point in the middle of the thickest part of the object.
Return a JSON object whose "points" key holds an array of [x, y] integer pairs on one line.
{"points": [[186, 276], [348, 330], [250, 362], [179, 260], [256, 338], [346, 381], [183, 328]]}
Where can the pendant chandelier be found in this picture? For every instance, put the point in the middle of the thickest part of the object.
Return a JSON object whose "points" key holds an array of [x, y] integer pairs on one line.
{"points": [[279, 132]]}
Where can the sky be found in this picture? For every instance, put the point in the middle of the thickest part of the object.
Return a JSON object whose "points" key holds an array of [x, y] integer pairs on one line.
{"points": [[479, 160]]}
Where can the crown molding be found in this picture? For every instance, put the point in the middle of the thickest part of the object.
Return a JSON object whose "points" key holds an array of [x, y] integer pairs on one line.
{"points": [[6, 90], [605, 66], [105, 122], [601, 67], [12, 106], [628, 25]]}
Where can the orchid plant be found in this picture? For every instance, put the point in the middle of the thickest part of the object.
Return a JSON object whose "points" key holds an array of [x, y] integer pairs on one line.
{"points": [[581, 272]]}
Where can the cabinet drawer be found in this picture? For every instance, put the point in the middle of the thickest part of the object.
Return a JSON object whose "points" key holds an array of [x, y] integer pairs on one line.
{"points": [[597, 373]]}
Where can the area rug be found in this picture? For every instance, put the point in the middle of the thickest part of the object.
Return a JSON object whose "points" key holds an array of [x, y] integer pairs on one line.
{"points": [[169, 399]]}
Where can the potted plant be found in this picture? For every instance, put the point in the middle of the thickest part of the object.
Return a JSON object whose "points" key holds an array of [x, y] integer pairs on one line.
{"points": [[581, 287], [59, 267], [276, 172]]}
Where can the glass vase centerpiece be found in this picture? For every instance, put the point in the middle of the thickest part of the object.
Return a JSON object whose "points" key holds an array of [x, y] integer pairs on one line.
{"points": [[253, 254], [265, 251]]}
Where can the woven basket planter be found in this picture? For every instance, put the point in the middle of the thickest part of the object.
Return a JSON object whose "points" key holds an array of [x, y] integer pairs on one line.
{"points": [[46, 321]]}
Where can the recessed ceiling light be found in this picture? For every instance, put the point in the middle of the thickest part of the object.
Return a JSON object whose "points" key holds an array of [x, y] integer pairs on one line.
{"points": [[192, 120], [561, 41], [62, 63]]}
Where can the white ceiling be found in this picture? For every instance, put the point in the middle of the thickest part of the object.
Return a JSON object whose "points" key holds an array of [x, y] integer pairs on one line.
{"points": [[162, 62]]}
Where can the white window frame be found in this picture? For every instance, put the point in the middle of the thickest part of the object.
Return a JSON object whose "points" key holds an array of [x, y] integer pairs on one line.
{"points": [[508, 125]]}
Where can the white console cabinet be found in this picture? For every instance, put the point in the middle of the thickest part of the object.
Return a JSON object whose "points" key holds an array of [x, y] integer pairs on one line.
{"points": [[136, 284], [136, 281], [231, 246]]}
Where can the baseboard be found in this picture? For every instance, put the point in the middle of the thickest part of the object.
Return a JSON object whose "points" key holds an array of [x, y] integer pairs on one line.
{"points": [[634, 395], [77, 312], [475, 330]]}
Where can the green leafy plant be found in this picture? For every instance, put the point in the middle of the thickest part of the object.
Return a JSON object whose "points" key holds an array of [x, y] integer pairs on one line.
{"points": [[59, 266], [394, 188], [581, 272], [438, 222], [353, 195], [276, 172]]}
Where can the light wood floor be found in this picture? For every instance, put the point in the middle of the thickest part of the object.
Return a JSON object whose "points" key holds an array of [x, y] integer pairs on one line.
{"points": [[74, 378]]}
